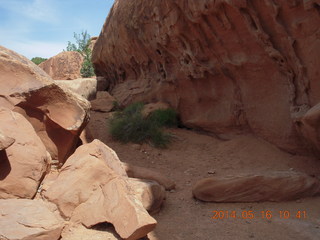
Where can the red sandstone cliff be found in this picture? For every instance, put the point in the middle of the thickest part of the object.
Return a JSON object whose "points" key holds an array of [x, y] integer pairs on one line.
{"points": [[226, 66]]}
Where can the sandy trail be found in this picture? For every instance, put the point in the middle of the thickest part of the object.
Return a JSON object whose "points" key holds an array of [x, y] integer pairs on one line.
{"points": [[193, 156]]}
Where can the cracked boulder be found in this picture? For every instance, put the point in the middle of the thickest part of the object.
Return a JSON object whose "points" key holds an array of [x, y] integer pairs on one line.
{"points": [[22, 219], [57, 115], [273, 186], [226, 66], [24, 162], [93, 187]]}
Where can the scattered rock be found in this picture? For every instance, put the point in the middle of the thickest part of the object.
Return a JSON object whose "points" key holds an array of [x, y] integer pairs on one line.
{"points": [[24, 163], [28, 220], [150, 193], [103, 103], [274, 186], [64, 66], [57, 115], [93, 187], [85, 87], [145, 173]]}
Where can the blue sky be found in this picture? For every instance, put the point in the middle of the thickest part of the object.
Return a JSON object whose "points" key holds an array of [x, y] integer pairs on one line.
{"points": [[42, 28]]}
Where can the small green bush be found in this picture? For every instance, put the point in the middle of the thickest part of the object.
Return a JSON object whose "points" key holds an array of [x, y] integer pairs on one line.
{"points": [[129, 125], [82, 46], [38, 60], [164, 117]]}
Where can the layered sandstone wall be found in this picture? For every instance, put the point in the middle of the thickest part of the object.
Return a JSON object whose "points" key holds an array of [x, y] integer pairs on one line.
{"points": [[226, 66]]}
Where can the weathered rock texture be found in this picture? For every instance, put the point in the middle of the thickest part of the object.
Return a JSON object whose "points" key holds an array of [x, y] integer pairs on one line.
{"points": [[310, 128], [28, 220], [86, 87], [93, 187], [103, 103], [226, 66], [273, 186], [149, 193], [24, 162], [57, 115], [64, 66]]}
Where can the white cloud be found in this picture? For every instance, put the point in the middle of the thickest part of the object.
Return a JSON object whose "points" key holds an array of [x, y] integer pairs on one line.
{"points": [[32, 49], [40, 10]]}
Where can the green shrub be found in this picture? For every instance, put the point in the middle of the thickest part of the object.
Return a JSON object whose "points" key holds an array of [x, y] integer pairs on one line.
{"points": [[129, 125], [38, 60], [164, 117], [82, 46]]}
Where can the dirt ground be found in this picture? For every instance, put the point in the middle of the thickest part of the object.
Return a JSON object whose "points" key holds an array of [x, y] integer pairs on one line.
{"points": [[193, 156]]}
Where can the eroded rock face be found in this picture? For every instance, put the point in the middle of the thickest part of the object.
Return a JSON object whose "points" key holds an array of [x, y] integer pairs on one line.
{"points": [[273, 186], [24, 163], [64, 66], [149, 193], [309, 126], [226, 66], [103, 103], [93, 187], [28, 220], [5, 141], [86, 87], [57, 115]]}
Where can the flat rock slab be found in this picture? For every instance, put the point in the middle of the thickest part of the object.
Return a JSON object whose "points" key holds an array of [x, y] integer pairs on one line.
{"points": [[22, 219], [275, 186]]}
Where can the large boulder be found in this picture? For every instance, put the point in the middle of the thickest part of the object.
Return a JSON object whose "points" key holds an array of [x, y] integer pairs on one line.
{"points": [[57, 115], [64, 66], [226, 66], [28, 220], [93, 187], [272, 186], [24, 162]]}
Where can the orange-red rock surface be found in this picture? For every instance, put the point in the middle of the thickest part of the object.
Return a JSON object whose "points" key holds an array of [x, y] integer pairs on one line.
{"points": [[64, 66], [226, 66], [57, 115]]}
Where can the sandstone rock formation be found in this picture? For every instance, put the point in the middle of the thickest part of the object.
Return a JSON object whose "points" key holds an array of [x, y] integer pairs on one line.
{"points": [[93, 187], [226, 66], [149, 193], [310, 128], [28, 220], [24, 162], [86, 87], [103, 103], [79, 232], [5, 141], [149, 108], [273, 186], [148, 174], [64, 66], [57, 115]]}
